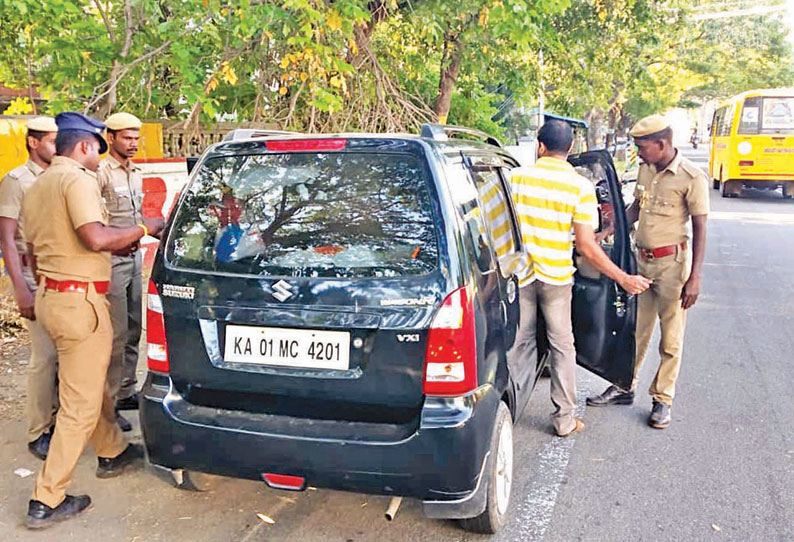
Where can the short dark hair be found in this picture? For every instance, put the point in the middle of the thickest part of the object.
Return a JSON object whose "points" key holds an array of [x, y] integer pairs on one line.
{"points": [[557, 135], [35, 134], [65, 142]]}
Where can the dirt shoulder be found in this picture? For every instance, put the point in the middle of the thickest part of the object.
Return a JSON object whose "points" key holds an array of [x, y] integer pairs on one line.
{"points": [[14, 355]]}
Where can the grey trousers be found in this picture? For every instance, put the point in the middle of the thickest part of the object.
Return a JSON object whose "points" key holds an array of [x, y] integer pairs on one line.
{"points": [[125, 316], [555, 302]]}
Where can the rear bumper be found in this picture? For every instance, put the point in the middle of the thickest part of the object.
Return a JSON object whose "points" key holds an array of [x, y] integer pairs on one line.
{"points": [[765, 181], [440, 460]]}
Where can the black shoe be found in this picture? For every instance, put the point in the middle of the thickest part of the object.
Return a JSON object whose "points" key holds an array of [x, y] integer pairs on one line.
{"points": [[612, 396], [41, 516], [130, 403], [110, 467], [41, 446], [660, 416], [124, 424]]}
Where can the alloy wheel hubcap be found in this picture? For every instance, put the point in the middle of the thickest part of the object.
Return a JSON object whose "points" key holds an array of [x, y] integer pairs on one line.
{"points": [[504, 467]]}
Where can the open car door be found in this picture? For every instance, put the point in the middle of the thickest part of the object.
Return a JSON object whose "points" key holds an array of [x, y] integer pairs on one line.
{"points": [[604, 315]]}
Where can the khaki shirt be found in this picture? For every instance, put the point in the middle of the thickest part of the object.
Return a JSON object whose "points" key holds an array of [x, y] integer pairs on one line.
{"points": [[122, 190], [12, 189], [667, 200], [65, 197]]}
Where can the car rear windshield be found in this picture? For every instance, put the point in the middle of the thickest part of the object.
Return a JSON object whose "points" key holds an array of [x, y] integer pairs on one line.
{"points": [[307, 215]]}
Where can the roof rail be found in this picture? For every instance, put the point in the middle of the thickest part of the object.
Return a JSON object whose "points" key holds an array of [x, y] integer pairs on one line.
{"points": [[250, 133], [441, 132]]}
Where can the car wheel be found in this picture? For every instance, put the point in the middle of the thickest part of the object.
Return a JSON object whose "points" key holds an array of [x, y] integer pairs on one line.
{"points": [[499, 477], [715, 183], [725, 191]]}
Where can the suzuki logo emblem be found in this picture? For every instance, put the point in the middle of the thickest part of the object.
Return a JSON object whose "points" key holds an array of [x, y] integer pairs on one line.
{"points": [[282, 290]]}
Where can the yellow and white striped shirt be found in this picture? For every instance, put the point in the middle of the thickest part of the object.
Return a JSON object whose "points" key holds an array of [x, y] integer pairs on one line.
{"points": [[549, 197], [497, 215]]}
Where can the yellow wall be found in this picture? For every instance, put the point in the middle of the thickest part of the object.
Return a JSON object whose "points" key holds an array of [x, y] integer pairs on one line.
{"points": [[12, 142]]}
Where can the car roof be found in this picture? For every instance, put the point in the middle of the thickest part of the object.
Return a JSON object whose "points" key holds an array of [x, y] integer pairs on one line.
{"points": [[447, 146], [443, 136]]}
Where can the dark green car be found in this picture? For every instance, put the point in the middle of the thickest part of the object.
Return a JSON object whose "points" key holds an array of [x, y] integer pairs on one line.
{"points": [[329, 311]]}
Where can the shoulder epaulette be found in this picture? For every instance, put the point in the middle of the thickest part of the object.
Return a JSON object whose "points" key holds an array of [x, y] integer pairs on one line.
{"points": [[691, 169], [17, 172]]}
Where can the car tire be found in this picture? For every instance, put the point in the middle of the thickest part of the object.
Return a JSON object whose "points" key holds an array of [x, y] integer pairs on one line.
{"points": [[715, 183], [724, 192], [499, 477]]}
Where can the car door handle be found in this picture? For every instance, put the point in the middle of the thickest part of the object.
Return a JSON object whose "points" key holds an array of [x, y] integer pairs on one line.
{"points": [[622, 299], [511, 289]]}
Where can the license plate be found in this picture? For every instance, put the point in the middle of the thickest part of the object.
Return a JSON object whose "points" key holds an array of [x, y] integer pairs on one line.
{"points": [[301, 348]]}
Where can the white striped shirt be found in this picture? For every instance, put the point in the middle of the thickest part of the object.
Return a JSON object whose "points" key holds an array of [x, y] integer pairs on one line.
{"points": [[549, 197]]}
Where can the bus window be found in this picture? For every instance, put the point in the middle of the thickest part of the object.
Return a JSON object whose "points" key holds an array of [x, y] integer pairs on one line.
{"points": [[715, 122], [726, 121], [750, 121], [778, 115]]}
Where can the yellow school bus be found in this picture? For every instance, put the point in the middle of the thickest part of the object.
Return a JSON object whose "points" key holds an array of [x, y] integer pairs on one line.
{"points": [[752, 142]]}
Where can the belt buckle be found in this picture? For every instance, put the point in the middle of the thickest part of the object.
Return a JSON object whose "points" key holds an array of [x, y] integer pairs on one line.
{"points": [[648, 254]]}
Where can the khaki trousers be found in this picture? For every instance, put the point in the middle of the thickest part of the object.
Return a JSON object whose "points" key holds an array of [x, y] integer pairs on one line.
{"points": [[42, 400], [125, 316], [555, 302], [79, 325], [663, 301]]}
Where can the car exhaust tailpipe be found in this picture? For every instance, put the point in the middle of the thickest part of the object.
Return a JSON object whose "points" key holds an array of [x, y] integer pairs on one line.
{"points": [[394, 505]]}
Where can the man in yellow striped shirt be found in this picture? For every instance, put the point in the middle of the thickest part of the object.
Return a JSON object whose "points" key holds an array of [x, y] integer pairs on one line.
{"points": [[554, 205]]}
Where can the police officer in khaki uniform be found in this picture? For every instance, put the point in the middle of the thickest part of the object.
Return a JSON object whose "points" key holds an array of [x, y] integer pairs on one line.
{"points": [[42, 401], [70, 244], [671, 193], [121, 185]]}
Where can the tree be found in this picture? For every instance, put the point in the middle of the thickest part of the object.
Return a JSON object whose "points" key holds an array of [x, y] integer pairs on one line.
{"points": [[384, 65]]}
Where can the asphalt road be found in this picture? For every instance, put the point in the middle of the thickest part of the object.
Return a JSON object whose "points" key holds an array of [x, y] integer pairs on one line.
{"points": [[724, 470]]}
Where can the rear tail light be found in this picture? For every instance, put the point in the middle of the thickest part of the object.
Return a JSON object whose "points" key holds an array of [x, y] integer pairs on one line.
{"points": [[284, 481], [746, 162], [451, 353], [157, 347], [297, 145]]}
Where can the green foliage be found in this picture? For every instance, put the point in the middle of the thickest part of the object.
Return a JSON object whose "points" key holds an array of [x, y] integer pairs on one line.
{"points": [[327, 65]]}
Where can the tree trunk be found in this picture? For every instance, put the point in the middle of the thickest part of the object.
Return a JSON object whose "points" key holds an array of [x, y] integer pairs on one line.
{"points": [[362, 33], [594, 120], [450, 67], [115, 72]]}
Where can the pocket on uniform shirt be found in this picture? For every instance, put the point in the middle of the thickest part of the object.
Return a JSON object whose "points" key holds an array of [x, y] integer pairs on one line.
{"points": [[119, 201], [663, 209]]}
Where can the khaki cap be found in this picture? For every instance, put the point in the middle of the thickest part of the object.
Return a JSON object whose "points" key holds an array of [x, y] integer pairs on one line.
{"points": [[42, 124], [122, 121], [649, 126]]}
